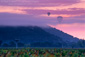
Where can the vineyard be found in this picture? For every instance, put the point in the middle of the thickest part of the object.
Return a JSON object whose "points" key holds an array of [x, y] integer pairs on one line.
{"points": [[41, 52]]}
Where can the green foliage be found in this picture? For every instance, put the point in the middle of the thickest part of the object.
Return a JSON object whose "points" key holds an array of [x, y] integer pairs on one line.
{"points": [[42, 52]]}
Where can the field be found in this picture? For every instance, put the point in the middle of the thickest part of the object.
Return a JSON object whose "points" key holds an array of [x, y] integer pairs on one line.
{"points": [[41, 52]]}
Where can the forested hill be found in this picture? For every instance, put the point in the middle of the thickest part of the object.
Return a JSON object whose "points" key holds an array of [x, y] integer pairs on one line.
{"points": [[36, 36]]}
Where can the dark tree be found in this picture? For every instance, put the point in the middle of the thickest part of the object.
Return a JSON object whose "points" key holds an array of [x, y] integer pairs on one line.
{"points": [[1, 42], [20, 44], [73, 45], [16, 41], [5, 45], [12, 44], [83, 43]]}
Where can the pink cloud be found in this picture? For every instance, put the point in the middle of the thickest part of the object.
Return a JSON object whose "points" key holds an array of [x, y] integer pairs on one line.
{"points": [[70, 11], [76, 29], [37, 3]]}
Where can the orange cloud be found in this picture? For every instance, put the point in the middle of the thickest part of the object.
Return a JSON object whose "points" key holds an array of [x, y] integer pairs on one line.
{"points": [[11, 10], [55, 15]]}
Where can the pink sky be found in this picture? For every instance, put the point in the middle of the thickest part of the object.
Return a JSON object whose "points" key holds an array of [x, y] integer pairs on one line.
{"points": [[34, 12]]}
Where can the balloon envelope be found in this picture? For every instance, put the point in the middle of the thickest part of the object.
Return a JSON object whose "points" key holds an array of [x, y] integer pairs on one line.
{"points": [[59, 18], [48, 13]]}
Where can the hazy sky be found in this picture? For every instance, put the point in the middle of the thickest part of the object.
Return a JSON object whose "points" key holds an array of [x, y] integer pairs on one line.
{"points": [[34, 12]]}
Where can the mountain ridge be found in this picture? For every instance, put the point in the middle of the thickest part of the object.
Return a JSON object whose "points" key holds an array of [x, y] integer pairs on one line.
{"points": [[35, 36], [61, 34]]}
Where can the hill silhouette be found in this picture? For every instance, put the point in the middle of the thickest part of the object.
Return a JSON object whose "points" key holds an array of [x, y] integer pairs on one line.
{"points": [[36, 36]]}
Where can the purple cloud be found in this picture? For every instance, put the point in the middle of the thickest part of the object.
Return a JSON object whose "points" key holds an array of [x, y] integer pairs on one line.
{"points": [[70, 11], [25, 20], [37, 3]]}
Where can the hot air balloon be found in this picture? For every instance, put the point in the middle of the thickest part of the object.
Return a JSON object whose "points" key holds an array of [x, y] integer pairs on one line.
{"points": [[59, 19], [48, 13]]}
